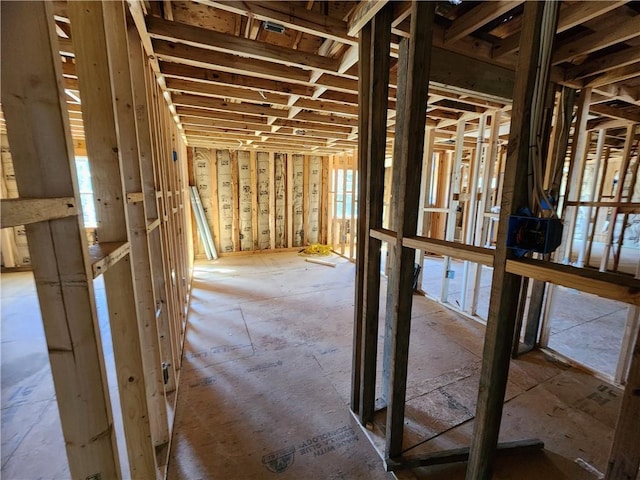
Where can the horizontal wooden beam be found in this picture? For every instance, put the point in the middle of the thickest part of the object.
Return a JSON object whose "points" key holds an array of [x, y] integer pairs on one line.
{"points": [[328, 119], [226, 43], [569, 17], [189, 72], [619, 91], [625, 30], [23, 211], [226, 91], [619, 74], [483, 256], [362, 14], [450, 69], [582, 12], [477, 17], [291, 16], [187, 120], [202, 57], [613, 112], [327, 106], [384, 235], [265, 136], [220, 104], [222, 115], [135, 197], [603, 284], [604, 63], [304, 124], [621, 207], [606, 123]]}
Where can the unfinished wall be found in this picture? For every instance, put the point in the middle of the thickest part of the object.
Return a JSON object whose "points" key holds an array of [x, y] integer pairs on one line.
{"points": [[260, 200], [15, 251]]}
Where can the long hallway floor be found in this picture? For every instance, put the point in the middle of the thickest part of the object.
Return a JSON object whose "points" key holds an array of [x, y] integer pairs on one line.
{"points": [[266, 376], [265, 382]]}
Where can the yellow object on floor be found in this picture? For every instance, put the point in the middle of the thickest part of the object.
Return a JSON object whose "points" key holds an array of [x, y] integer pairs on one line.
{"points": [[316, 249]]}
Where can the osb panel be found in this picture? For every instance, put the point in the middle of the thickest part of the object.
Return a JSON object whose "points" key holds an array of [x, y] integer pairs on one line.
{"points": [[204, 16]]}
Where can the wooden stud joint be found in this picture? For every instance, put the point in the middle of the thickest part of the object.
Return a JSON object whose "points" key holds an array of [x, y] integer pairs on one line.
{"points": [[24, 211], [104, 255], [135, 197]]}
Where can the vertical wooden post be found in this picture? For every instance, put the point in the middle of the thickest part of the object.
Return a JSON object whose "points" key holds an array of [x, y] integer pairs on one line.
{"points": [[272, 201], [116, 37], [424, 218], [454, 195], [378, 92], [506, 287], [624, 459], [472, 211], [324, 203], [631, 327], [255, 231], [481, 237], [289, 204], [306, 224], [34, 105], [364, 81], [394, 196], [626, 159], [410, 145], [105, 151], [587, 217], [139, 74], [352, 208], [164, 207], [579, 150]]}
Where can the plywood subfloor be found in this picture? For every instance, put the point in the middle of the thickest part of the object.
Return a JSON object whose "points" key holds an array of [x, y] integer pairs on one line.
{"points": [[257, 397], [32, 442], [266, 376]]}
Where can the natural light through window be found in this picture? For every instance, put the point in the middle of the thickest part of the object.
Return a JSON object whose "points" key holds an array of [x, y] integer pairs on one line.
{"points": [[86, 192]]}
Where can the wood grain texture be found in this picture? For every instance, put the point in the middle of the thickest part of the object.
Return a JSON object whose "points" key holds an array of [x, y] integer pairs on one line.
{"points": [[34, 106], [505, 286]]}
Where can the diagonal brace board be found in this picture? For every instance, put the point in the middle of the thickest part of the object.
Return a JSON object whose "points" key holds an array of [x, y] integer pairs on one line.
{"points": [[458, 455]]}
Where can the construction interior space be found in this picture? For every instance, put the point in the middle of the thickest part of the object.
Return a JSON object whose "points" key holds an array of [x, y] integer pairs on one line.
{"points": [[320, 239]]}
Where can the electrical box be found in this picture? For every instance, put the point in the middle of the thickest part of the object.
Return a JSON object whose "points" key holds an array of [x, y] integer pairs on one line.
{"points": [[533, 234]]}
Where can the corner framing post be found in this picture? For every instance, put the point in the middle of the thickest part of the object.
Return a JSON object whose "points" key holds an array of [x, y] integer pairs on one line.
{"points": [[454, 201], [409, 149], [624, 459], [579, 152], [364, 44], [380, 39], [505, 288]]}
